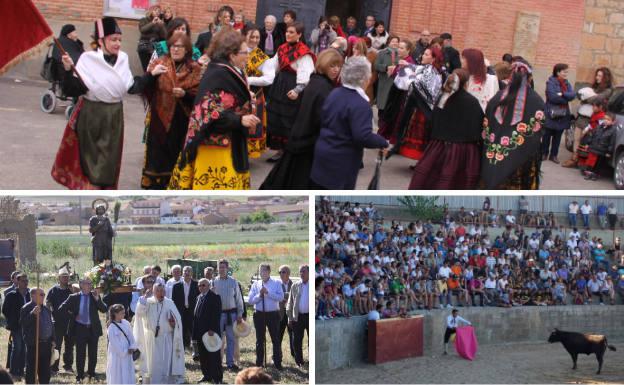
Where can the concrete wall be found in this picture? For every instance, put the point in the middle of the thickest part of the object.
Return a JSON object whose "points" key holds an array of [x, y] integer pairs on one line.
{"points": [[342, 343], [26, 236]]}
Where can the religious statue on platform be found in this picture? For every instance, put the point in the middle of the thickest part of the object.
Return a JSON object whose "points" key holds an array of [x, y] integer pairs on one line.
{"points": [[102, 233]]}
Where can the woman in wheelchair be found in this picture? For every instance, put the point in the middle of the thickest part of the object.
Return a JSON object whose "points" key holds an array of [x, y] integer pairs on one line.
{"points": [[597, 145]]}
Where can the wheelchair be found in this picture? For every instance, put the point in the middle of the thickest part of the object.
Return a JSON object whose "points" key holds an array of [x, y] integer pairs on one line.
{"points": [[52, 71]]}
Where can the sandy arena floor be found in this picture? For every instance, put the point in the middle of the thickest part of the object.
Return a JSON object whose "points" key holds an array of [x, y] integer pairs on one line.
{"points": [[517, 363]]}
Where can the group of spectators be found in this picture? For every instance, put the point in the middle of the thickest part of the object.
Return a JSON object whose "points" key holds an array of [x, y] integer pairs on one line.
{"points": [[365, 264]]}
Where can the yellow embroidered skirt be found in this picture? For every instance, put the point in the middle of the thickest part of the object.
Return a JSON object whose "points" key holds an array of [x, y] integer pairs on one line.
{"points": [[212, 170]]}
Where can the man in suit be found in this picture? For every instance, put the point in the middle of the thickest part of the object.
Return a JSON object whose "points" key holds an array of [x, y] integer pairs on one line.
{"points": [[13, 303], [207, 319], [56, 296], [297, 310], [451, 55], [184, 296], [28, 321], [84, 325], [5, 292], [284, 273], [270, 36]]}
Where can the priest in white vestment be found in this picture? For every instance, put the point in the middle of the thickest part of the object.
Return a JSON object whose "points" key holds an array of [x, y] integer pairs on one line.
{"points": [[158, 330]]}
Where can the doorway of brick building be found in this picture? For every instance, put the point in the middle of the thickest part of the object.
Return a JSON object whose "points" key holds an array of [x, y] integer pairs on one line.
{"points": [[309, 11]]}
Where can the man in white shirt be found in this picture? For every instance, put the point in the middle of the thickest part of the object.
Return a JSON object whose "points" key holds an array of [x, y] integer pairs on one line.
{"points": [[510, 219], [265, 295], [586, 210], [374, 314], [573, 209], [176, 272], [298, 310], [452, 322]]}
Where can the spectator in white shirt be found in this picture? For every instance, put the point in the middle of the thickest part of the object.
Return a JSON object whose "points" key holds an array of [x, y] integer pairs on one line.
{"points": [[586, 210], [510, 219], [573, 209], [593, 289], [452, 322]]}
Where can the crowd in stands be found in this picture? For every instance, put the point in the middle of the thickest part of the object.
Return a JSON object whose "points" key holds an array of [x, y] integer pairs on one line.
{"points": [[366, 264]]}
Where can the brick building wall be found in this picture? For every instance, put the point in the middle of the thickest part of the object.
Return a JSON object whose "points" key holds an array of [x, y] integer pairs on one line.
{"points": [[491, 24], [602, 40], [582, 33]]}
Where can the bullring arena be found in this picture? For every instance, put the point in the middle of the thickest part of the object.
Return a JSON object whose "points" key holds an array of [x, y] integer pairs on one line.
{"points": [[497, 361], [361, 244]]}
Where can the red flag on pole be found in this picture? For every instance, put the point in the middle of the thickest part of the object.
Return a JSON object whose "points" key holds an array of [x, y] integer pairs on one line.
{"points": [[23, 33]]}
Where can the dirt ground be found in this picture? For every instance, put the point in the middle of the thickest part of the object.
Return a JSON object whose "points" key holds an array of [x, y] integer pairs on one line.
{"points": [[512, 364]]}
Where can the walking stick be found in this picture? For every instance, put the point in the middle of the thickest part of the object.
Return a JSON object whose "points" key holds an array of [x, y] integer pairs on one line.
{"points": [[264, 327], [37, 331]]}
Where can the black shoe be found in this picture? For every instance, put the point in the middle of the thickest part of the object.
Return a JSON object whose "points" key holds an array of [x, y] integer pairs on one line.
{"points": [[203, 379], [233, 368], [68, 369], [279, 367]]}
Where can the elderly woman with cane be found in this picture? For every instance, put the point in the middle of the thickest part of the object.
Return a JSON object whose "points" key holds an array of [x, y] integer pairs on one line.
{"points": [[346, 129]]}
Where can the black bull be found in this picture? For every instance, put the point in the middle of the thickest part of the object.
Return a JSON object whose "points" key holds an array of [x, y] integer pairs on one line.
{"points": [[579, 343]]}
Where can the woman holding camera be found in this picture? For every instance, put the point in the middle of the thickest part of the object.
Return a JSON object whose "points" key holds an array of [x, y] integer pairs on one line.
{"points": [[152, 28], [322, 36]]}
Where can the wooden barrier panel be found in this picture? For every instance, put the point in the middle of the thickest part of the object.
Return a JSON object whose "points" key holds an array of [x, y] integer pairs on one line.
{"points": [[395, 338]]}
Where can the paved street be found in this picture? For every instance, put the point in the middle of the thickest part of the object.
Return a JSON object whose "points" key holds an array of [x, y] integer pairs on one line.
{"points": [[30, 139]]}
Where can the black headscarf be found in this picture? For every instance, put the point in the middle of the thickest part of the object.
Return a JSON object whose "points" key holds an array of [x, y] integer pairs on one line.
{"points": [[67, 29], [74, 48]]}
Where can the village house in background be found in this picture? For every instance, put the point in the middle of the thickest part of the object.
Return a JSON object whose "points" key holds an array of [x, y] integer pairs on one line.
{"points": [[169, 210]]}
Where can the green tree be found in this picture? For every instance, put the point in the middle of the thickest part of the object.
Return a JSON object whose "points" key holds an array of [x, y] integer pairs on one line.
{"points": [[423, 207]]}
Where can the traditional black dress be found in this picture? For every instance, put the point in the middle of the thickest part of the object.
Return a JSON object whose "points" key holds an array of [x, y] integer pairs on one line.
{"points": [[292, 171], [295, 67], [452, 159], [512, 138]]}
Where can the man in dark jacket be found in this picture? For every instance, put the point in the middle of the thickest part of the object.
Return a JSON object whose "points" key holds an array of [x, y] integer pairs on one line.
{"points": [[184, 296], [351, 29], [84, 325], [270, 37], [207, 319], [28, 322], [56, 296], [451, 55], [421, 45], [13, 303], [4, 294]]}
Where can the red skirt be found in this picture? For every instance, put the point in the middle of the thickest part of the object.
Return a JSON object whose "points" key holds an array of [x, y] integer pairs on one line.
{"points": [[414, 142], [447, 166]]}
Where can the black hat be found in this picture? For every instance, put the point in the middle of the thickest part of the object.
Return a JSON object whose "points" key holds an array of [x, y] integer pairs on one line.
{"points": [[446, 35], [106, 26], [67, 29]]}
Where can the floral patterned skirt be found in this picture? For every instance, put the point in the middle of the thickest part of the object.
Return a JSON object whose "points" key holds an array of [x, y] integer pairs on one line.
{"points": [[212, 169]]}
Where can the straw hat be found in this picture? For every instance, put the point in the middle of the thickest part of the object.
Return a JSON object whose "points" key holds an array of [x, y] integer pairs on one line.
{"points": [[212, 342], [55, 356], [242, 329], [64, 271]]}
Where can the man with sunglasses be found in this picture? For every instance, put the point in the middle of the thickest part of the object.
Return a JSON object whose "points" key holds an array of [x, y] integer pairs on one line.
{"points": [[13, 303], [28, 321]]}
